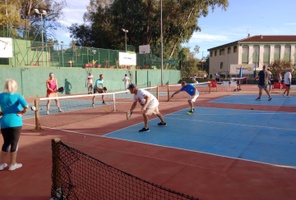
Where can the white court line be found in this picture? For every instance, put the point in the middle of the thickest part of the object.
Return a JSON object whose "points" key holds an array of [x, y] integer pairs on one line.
{"points": [[235, 124], [169, 147], [201, 152], [247, 113]]}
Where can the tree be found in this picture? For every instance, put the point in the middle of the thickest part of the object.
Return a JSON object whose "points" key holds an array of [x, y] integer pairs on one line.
{"points": [[142, 19], [279, 66], [188, 63], [20, 17]]}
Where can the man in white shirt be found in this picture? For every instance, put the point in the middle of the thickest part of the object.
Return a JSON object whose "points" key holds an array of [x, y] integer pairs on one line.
{"points": [[126, 81], [149, 105], [288, 81]]}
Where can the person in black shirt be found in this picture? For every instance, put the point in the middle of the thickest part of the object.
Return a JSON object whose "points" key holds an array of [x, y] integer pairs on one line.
{"points": [[263, 77]]}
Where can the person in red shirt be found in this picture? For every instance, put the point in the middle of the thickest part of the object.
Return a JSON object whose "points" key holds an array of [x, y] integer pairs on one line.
{"points": [[52, 87]]}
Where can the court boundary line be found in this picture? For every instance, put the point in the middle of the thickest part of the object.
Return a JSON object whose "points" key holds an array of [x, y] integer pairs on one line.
{"points": [[178, 148], [201, 152], [248, 125], [163, 146]]}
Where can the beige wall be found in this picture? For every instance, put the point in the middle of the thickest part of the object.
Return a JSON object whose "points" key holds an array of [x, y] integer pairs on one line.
{"points": [[236, 58]]}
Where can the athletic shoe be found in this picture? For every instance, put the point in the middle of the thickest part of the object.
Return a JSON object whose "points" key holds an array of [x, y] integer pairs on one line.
{"points": [[258, 99], [103, 102], [3, 166], [93, 105], [269, 99], [60, 110], [190, 112], [283, 94], [15, 166], [47, 112], [162, 124], [144, 130]]}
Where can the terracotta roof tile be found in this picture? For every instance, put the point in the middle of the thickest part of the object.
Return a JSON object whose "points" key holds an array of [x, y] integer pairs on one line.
{"points": [[270, 38]]}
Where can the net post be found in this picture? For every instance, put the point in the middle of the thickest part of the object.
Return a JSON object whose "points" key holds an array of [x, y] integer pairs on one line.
{"points": [[209, 84], [168, 91], [56, 187], [157, 92], [37, 118], [114, 102]]}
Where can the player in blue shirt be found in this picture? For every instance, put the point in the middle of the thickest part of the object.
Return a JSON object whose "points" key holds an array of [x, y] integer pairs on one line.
{"points": [[13, 107], [99, 88], [192, 91]]}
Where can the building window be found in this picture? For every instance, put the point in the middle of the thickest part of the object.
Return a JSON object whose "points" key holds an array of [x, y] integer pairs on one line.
{"points": [[287, 54], [221, 65], [256, 56], [234, 49], [211, 54], [277, 52], [245, 54], [215, 52], [229, 50], [221, 52], [266, 55]]}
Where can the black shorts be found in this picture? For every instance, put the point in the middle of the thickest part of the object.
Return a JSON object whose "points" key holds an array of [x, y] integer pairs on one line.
{"points": [[100, 90]]}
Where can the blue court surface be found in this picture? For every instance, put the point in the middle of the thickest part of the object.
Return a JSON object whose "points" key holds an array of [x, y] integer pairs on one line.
{"points": [[260, 136], [277, 100]]}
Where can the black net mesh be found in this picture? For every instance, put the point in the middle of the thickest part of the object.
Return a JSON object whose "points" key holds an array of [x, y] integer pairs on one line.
{"points": [[76, 175]]}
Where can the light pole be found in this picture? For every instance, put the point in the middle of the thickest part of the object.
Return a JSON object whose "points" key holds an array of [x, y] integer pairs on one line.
{"points": [[41, 13], [125, 36], [62, 48], [161, 41]]}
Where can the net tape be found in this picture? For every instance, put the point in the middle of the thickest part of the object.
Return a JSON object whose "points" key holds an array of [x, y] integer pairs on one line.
{"points": [[79, 107], [76, 175]]}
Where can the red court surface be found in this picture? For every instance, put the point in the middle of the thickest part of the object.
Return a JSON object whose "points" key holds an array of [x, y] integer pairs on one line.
{"points": [[201, 175]]}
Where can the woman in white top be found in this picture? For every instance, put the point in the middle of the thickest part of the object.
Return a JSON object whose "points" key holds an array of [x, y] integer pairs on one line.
{"points": [[89, 82]]}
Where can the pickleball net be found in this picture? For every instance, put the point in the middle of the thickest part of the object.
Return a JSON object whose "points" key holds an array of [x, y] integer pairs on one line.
{"points": [[203, 88], [76, 175], [77, 108]]}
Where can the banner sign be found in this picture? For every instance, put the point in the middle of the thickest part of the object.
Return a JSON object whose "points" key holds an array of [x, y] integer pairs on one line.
{"points": [[5, 47], [247, 69], [127, 58]]}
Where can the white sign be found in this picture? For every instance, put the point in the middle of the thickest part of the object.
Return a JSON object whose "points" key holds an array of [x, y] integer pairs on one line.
{"points": [[5, 47], [127, 58], [247, 69]]}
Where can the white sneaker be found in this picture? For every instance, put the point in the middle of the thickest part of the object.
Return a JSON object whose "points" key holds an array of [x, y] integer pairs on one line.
{"points": [[60, 110], [15, 166], [47, 112], [3, 166]]}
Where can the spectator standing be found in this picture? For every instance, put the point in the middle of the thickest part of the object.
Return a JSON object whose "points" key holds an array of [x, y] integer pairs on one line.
{"points": [[280, 77], [13, 107], [217, 77], [89, 83], [288, 81], [126, 81]]}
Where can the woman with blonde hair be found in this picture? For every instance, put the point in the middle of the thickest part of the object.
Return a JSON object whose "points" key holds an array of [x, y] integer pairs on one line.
{"points": [[13, 107]]}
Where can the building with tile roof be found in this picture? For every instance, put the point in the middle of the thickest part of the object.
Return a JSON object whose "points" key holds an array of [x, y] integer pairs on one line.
{"points": [[255, 50]]}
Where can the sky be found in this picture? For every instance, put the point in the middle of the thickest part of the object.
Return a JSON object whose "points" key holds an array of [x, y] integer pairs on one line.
{"points": [[242, 17]]}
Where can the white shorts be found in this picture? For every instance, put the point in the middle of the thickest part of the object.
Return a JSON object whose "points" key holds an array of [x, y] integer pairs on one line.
{"points": [[151, 111], [193, 98]]}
